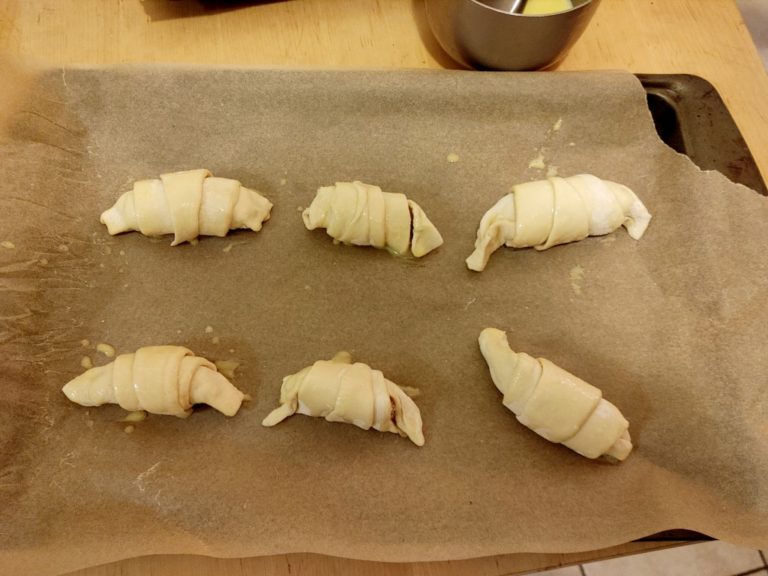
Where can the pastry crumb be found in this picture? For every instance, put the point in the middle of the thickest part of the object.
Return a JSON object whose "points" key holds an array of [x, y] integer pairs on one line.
{"points": [[106, 349], [452, 157], [63, 248], [8, 244], [538, 162], [44, 262], [128, 429], [576, 276], [343, 357], [122, 252], [227, 367], [85, 342], [558, 125], [411, 391], [209, 329], [283, 181], [86, 362], [215, 340], [194, 242], [551, 171], [136, 416]]}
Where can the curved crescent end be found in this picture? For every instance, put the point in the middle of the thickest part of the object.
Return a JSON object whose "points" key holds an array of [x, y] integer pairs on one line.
{"points": [[113, 220], [491, 240], [636, 214], [92, 388], [279, 414], [121, 217], [251, 210], [212, 388]]}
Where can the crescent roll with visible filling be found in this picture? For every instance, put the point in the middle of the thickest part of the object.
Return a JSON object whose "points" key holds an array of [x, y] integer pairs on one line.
{"points": [[364, 215], [341, 391]]}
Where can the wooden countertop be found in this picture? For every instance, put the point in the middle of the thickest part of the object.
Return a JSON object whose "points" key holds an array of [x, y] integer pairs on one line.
{"points": [[708, 39], [670, 36]]}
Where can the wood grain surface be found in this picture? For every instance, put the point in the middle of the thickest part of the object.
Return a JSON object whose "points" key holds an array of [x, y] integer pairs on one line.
{"points": [[317, 565], [706, 38]]}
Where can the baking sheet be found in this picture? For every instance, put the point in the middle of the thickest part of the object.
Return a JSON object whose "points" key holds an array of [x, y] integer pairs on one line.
{"points": [[672, 327]]}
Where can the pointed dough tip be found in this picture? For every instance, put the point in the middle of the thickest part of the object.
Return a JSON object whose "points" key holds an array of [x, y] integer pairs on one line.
{"points": [[416, 436], [278, 415], [114, 221], [476, 262], [91, 388], [426, 236], [492, 336]]}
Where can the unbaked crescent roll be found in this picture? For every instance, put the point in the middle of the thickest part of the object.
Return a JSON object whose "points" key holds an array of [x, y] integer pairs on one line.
{"points": [[557, 210], [187, 204], [554, 403], [158, 379], [341, 391], [364, 215]]}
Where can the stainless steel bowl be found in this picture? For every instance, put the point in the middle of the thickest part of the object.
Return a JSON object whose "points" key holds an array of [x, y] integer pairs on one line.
{"points": [[482, 34]]}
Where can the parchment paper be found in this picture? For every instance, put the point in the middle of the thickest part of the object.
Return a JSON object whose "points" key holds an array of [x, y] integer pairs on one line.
{"points": [[672, 327]]}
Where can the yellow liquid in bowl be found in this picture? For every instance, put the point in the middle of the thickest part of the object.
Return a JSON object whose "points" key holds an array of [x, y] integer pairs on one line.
{"points": [[534, 7]]}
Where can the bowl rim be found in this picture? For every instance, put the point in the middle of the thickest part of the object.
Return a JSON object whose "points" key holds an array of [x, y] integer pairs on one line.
{"points": [[483, 4]]}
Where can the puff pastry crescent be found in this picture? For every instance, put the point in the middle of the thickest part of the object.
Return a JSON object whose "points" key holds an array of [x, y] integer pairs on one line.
{"points": [[187, 204], [554, 403], [341, 391], [557, 210], [364, 215], [158, 379]]}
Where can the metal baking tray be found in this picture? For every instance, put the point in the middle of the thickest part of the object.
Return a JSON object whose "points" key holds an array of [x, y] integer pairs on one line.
{"points": [[691, 118]]}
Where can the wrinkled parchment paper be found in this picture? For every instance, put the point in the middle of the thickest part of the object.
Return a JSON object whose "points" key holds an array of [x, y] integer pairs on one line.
{"points": [[672, 327]]}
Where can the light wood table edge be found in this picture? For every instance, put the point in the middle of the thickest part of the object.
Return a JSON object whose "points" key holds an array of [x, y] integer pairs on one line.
{"points": [[318, 564]]}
